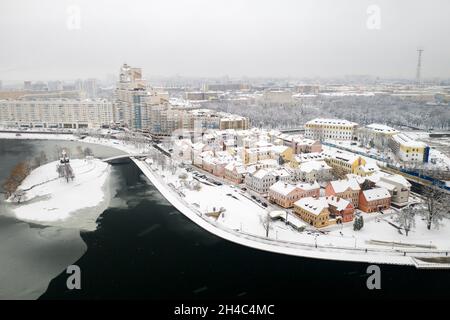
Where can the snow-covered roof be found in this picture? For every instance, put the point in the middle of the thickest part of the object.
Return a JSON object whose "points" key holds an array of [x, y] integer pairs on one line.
{"points": [[381, 128], [369, 167], [386, 185], [407, 141], [334, 122], [240, 168], [376, 194], [279, 149], [312, 205], [398, 179], [304, 141], [282, 188], [343, 185], [308, 186], [359, 179], [338, 203], [313, 165], [277, 214], [261, 173], [281, 173], [303, 157], [268, 162]]}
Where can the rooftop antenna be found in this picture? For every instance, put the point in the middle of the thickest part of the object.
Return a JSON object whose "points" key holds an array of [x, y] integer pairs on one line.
{"points": [[419, 66]]}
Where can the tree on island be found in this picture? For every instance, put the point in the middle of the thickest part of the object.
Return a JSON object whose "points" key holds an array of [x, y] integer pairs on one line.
{"points": [[406, 218], [17, 175], [436, 206]]}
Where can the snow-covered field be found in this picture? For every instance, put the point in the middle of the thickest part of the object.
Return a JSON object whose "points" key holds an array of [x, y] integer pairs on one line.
{"points": [[51, 200]]}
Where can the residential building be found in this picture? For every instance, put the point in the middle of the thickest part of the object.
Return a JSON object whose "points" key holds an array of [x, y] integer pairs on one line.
{"points": [[260, 181], [285, 194], [303, 145], [305, 157], [373, 200], [330, 129], [234, 172], [340, 209], [376, 134], [313, 211], [311, 171], [398, 187], [56, 113], [348, 189]]}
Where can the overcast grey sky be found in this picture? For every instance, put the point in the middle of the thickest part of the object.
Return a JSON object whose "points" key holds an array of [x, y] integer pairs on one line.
{"points": [[42, 39]]}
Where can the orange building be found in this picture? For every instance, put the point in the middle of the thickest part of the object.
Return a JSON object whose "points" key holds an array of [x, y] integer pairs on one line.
{"points": [[346, 189], [374, 200]]}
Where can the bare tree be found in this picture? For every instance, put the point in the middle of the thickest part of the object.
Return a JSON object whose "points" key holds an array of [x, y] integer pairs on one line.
{"points": [[324, 176], [339, 172], [436, 206], [266, 221], [406, 218]]}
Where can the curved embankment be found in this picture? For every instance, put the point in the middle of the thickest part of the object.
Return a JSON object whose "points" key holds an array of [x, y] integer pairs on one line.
{"points": [[375, 256]]}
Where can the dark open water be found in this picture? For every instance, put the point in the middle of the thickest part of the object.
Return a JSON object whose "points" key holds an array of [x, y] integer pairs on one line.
{"points": [[144, 248]]}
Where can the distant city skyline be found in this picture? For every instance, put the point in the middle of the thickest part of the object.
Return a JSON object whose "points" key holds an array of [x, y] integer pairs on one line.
{"points": [[66, 40]]}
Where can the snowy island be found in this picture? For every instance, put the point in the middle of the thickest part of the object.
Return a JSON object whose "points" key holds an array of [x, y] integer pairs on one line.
{"points": [[67, 193]]}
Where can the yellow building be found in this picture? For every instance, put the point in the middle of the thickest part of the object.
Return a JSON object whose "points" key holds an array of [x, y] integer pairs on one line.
{"points": [[330, 129], [408, 149], [313, 211], [347, 162], [256, 154]]}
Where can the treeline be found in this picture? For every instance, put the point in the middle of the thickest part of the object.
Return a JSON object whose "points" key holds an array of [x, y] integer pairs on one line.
{"points": [[388, 110]]}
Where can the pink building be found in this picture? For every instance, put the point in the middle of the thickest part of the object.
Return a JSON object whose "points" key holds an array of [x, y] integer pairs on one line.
{"points": [[285, 194]]}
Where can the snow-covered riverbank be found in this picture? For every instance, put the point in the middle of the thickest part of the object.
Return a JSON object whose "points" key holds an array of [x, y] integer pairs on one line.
{"points": [[51, 200], [332, 247], [323, 250]]}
